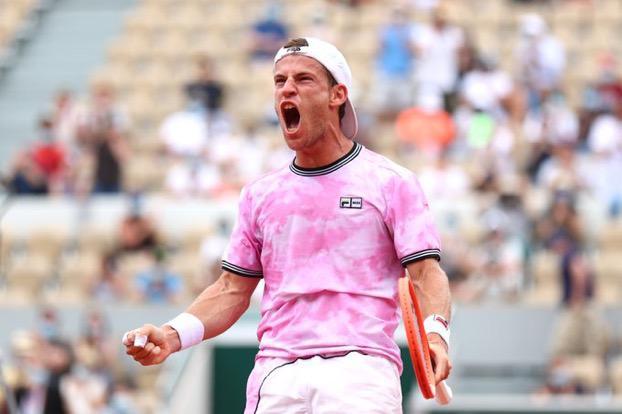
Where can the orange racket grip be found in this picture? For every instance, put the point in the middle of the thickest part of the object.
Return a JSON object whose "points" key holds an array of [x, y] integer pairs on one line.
{"points": [[444, 394]]}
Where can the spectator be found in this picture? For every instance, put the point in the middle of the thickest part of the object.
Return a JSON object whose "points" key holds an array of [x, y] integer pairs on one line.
{"points": [[485, 88], [427, 125], [562, 171], [541, 59], [601, 95], [246, 151], [482, 116], [468, 56], [25, 176], [559, 230], [444, 180], [605, 143], [560, 379], [581, 333], [50, 155], [500, 270], [101, 130], [158, 284], [185, 133], [123, 398], [608, 85], [58, 358], [437, 47], [107, 286], [48, 324], [64, 114], [393, 86], [268, 34], [577, 279], [193, 178], [508, 209], [206, 88], [137, 234]]}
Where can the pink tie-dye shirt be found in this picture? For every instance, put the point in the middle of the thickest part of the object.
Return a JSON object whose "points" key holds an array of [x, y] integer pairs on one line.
{"points": [[331, 244]]}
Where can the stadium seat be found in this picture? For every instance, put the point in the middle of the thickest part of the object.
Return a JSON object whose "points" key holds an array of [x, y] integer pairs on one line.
{"points": [[10, 243], [76, 268], [144, 173], [610, 237], [27, 275], [192, 238], [608, 269], [130, 264], [47, 241], [545, 289], [189, 266], [96, 239]]}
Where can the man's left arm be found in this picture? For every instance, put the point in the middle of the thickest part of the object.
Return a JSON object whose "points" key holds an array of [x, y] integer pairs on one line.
{"points": [[432, 289]]}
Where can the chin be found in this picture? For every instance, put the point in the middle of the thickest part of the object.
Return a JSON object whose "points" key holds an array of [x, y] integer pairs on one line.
{"points": [[294, 144]]}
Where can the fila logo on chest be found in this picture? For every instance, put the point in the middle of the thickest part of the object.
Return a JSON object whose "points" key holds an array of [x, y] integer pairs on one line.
{"points": [[351, 202]]}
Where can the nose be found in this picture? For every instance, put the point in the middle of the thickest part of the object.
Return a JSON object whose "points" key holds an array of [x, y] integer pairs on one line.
{"points": [[288, 88]]}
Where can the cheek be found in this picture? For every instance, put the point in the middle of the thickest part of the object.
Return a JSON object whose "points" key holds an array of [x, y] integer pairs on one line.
{"points": [[317, 103]]}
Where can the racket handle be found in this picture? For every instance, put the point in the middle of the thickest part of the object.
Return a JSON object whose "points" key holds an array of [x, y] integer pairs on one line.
{"points": [[444, 393]]}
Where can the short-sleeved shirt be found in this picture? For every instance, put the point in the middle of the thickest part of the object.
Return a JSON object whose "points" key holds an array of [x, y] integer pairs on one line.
{"points": [[331, 243]]}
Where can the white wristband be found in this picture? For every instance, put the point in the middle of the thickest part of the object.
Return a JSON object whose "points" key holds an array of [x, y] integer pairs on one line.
{"points": [[189, 328], [438, 325]]}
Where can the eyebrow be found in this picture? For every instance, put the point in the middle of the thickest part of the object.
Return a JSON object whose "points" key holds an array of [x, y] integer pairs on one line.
{"points": [[296, 75]]}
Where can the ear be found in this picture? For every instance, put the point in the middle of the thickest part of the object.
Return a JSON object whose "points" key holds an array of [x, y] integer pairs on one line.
{"points": [[338, 95]]}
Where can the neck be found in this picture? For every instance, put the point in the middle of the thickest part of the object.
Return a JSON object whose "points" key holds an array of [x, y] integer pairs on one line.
{"points": [[324, 151]]}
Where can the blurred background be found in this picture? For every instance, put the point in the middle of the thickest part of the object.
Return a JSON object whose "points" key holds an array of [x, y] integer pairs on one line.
{"points": [[128, 127]]}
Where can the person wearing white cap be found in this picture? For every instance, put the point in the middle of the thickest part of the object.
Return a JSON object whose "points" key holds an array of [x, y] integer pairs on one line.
{"points": [[330, 234]]}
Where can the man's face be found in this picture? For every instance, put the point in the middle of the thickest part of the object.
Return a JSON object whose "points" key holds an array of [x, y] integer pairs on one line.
{"points": [[302, 99]]}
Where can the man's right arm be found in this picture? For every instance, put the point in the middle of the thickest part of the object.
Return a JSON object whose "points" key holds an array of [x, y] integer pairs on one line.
{"points": [[218, 307]]}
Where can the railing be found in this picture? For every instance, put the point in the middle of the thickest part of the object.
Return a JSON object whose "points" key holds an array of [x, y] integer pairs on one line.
{"points": [[26, 31]]}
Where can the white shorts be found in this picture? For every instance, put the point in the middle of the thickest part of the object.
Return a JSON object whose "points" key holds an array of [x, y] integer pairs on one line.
{"points": [[350, 383]]}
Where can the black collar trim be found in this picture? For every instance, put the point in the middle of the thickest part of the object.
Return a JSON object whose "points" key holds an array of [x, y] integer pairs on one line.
{"points": [[333, 166]]}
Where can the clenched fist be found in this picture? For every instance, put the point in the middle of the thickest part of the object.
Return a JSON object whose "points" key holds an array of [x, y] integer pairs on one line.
{"points": [[151, 345]]}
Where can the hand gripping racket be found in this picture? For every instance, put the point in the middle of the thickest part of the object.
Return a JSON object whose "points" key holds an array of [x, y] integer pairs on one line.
{"points": [[418, 345]]}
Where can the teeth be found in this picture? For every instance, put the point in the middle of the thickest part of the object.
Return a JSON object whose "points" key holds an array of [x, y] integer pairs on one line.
{"points": [[288, 106]]}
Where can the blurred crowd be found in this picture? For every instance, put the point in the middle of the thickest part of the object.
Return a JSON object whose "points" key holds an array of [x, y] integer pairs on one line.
{"points": [[48, 372], [504, 144]]}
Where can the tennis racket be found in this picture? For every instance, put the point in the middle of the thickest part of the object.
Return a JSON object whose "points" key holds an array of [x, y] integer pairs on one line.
{"points": [[418, 345]]}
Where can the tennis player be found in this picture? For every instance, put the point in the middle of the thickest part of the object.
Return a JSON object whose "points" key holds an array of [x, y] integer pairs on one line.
{"points": [[330, 235]]}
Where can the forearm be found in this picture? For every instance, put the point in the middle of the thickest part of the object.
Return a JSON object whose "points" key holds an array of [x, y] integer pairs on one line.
{"points": [[431, 287], [221, 304]]}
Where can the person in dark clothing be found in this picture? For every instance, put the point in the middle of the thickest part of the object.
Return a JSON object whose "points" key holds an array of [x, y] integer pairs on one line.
{"points": [[206, 88], [26, 177], [101, 132], [60, 360], [577, 279], [107, 165]]}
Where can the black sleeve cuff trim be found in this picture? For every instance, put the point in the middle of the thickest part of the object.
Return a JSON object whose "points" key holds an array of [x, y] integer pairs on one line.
{"points": [[423, 254], [240, 271]]}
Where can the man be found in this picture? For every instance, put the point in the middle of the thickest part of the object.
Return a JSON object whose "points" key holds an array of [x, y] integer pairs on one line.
{"points": [[329, 235]]}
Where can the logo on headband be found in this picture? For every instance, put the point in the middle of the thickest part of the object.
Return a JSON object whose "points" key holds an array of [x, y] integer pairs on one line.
{"points": [[293, 49]]}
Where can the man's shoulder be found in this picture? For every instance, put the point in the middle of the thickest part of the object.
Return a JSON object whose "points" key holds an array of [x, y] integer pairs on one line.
{"points": [[383, 166], [267, 180]]}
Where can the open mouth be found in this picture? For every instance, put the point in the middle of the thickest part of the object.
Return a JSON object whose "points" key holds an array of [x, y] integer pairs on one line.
{"points": [[291, 116]]}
